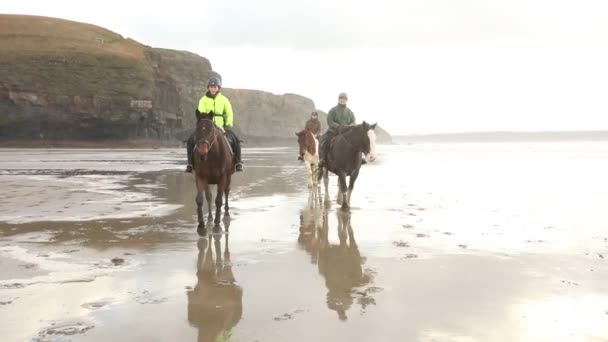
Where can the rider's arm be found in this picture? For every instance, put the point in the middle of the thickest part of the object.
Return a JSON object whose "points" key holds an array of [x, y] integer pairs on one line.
{"points": [[229, 115], [351, 119], [331, 119]]}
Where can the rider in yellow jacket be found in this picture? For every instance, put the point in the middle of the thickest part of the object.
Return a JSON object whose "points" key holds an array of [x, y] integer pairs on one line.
{"points": [[216, 105]]}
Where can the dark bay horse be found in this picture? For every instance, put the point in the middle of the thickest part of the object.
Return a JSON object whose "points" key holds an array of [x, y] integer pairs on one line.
{"points": [[344, 157], [213, 163], [309, 148]]}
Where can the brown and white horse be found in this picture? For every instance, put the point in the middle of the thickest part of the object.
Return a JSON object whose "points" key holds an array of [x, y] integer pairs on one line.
{"points": [[309, 151]]}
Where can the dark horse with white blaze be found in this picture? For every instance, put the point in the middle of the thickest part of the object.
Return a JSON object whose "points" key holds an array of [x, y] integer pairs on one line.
{"points": [[344, 157], [213, 163]]}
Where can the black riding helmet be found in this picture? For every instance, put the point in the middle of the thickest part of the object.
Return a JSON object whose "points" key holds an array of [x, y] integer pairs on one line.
{"points": [[214, 81]]}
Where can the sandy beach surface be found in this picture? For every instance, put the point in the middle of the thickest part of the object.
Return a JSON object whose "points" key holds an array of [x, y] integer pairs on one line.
{"points": [[444, 242]]}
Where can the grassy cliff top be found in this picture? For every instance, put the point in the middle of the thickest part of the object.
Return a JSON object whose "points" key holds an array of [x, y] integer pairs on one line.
{"points": [[56, 56]]}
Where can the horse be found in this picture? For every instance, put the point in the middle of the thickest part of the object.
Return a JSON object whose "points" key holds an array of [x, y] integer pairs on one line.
{"points": [[344, 158], [213, 163], [309, 151]]}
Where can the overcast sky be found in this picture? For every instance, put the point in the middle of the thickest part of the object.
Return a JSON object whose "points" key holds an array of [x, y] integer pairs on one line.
{"points": [[420, 66]]}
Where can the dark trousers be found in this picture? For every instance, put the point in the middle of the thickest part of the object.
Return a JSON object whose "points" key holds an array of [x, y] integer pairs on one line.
{"points": [[234, 141], [324, 144]]}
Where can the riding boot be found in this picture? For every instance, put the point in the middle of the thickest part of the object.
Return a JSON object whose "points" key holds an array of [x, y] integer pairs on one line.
{"points": [[190, 149], [237, 151], [237, 154]]}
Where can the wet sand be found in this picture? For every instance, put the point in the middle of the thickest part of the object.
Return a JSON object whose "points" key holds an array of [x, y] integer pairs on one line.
{"points": [[462, 242]]}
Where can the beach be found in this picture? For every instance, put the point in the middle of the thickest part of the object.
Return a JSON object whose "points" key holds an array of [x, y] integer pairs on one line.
{"points": [[444, 242]]}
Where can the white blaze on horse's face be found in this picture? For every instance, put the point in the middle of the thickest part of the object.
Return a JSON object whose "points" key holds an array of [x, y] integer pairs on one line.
{"points": [[372, 145]]}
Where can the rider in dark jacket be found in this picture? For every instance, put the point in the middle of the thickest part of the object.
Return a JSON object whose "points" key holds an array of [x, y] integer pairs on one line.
{"points": [[338, 116]]}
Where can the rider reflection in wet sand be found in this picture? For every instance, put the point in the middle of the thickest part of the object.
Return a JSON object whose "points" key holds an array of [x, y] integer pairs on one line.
{"points": [[215, 304], [340, 265]]}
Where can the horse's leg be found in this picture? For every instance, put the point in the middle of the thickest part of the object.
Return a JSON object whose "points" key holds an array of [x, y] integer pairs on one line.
{"points": [[208, 198], [351, 185], [326, 182], [343, 189], [318, 194], [314, 168], [226, 193], [200, 186], [309, 168], [218, 200]]}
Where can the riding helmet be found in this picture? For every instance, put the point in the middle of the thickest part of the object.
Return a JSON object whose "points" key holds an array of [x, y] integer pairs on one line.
{"points": [[214, 81]]}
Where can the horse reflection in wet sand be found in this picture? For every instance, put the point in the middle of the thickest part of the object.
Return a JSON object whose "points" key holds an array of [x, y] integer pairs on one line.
{"points": [[340, 265], [309, 151], [344, 158], [213, 163], [215, 304], [311, 223]]}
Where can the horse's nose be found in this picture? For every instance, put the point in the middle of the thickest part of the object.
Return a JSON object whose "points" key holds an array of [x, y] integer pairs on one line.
{"points": [[203, 149]]}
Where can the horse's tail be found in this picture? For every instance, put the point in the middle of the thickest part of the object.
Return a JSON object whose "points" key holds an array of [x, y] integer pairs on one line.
{"points": [[320, 171]]}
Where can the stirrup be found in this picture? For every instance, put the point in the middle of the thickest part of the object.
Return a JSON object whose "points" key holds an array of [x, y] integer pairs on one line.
{"points": [[189, 168], [239, 167]]}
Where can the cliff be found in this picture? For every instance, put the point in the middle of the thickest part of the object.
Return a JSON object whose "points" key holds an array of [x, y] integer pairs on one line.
{"points": [[63, 80]]}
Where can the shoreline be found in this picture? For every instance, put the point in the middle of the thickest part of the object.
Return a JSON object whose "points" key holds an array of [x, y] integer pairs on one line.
{"points": [[134, 143]]}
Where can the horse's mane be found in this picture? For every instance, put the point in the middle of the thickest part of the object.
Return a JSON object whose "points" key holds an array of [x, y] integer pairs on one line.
{"points": [[305, 131], [345, 129]]}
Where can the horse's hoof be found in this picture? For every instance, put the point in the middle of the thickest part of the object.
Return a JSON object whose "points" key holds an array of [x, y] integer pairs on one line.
{"points": [[202, 229], [217, 228]]}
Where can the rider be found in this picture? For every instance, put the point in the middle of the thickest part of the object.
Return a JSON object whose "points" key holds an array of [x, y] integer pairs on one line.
{"points": [[218, 106], [338, 116], [313, 125]]}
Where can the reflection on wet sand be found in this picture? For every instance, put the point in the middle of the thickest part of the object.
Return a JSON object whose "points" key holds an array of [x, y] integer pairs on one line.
{"points": [[215, 304], [340, 264]]}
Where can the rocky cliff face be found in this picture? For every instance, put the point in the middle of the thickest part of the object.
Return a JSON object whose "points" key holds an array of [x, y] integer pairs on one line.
{"points": [[262, 114], [63, 80], [66, 80]]}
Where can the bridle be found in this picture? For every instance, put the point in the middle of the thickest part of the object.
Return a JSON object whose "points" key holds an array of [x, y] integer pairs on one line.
{"points": [[206, 142]]}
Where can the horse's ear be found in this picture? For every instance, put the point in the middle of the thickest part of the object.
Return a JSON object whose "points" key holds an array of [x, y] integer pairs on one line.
{"points": [[373, 126]]}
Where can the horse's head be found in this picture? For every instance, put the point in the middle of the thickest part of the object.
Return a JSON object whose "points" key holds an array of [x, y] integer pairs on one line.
{"points": [[205, 136], [369, 143], [306, 141]]}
